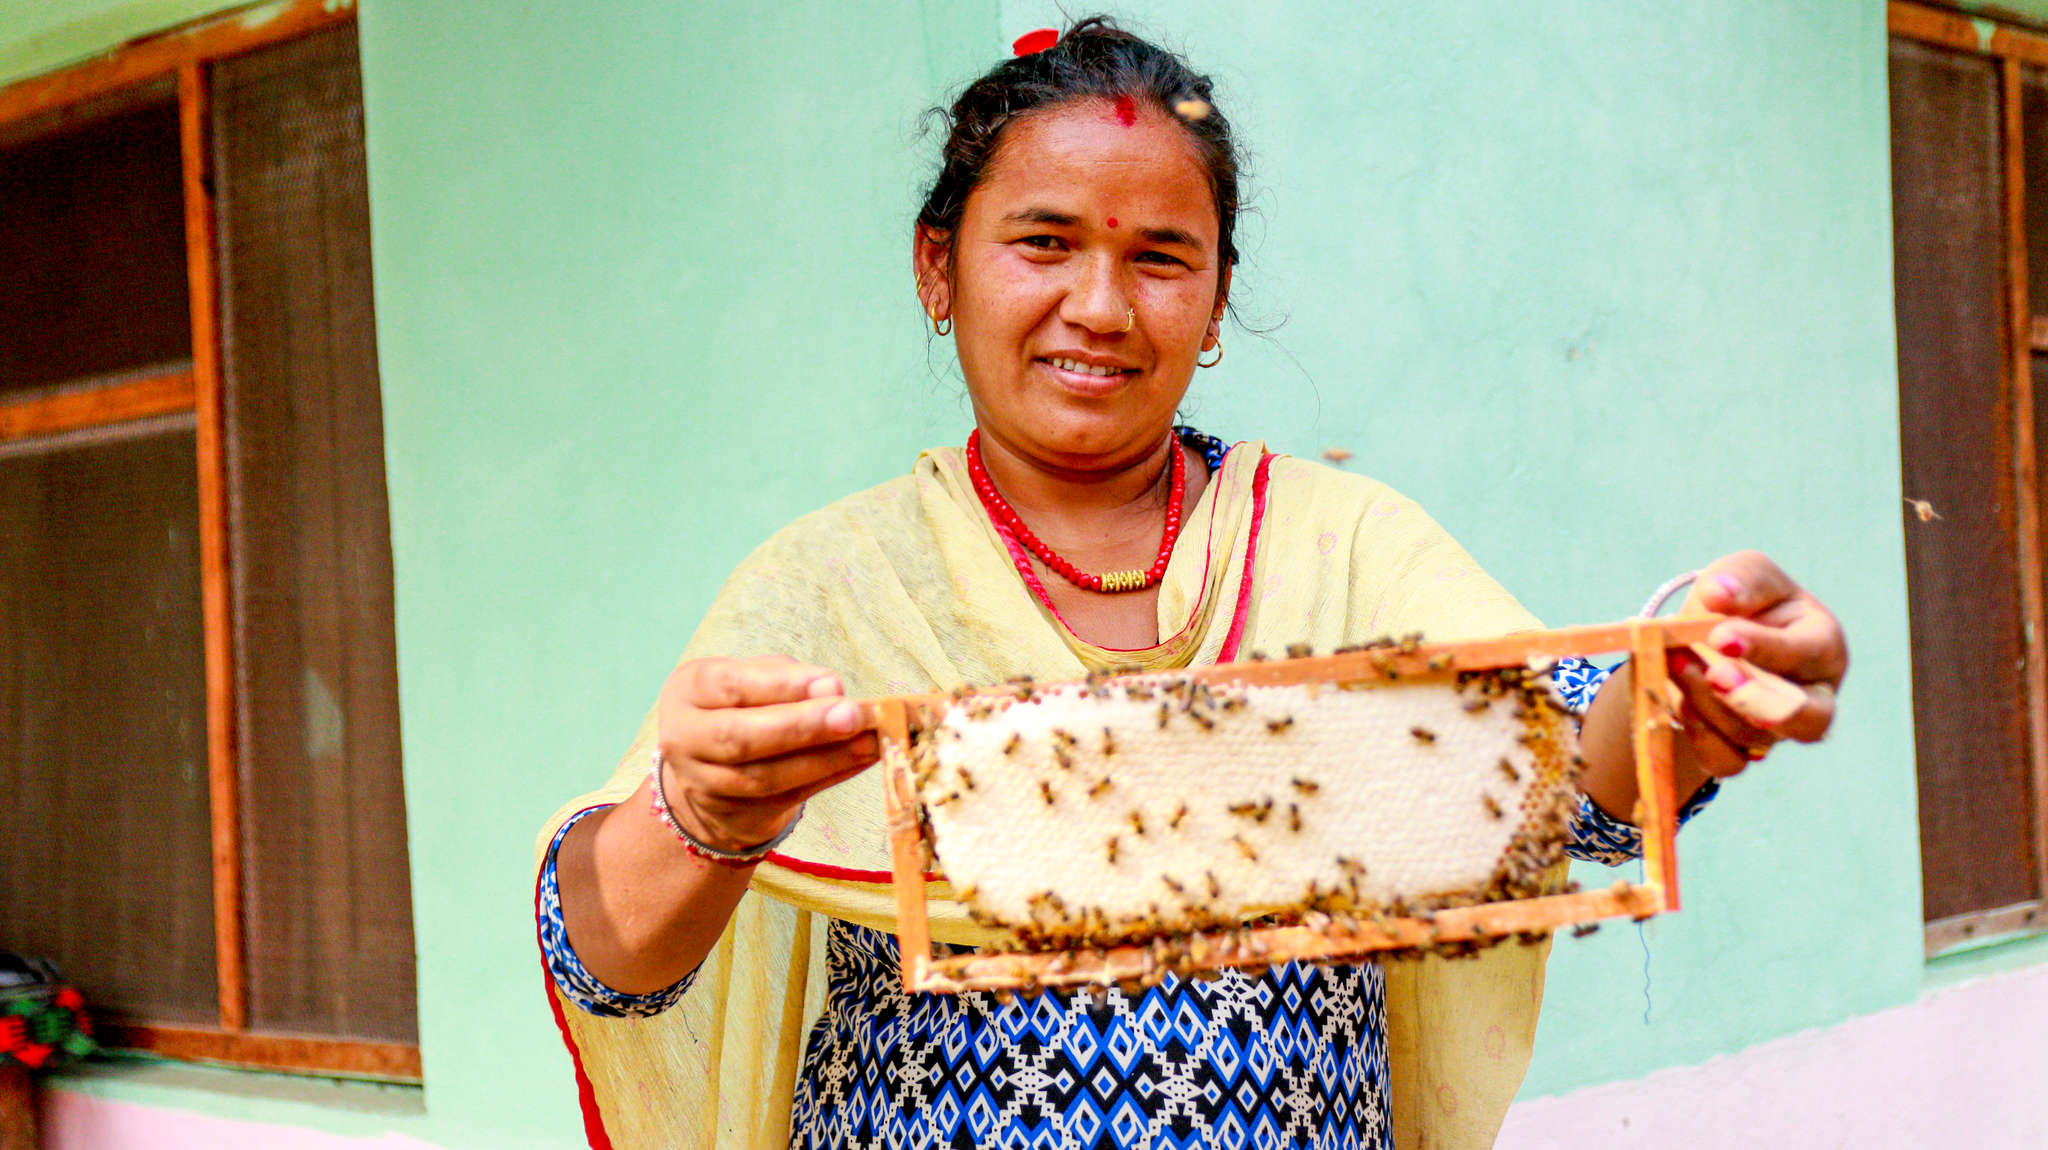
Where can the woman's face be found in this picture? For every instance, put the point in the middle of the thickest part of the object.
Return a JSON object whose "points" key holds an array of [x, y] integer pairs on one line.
{"points": [[1083, 282]]}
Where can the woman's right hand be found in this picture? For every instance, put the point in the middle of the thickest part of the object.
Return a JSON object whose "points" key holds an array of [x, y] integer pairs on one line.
{"points": [[746, 741]]}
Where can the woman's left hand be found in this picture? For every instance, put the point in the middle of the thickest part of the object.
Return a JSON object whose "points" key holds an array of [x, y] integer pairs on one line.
{"points": [[1778, 626]]}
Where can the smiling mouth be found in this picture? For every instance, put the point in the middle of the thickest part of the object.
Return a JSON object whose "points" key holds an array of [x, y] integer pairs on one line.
{"points": [[1075, 365]]}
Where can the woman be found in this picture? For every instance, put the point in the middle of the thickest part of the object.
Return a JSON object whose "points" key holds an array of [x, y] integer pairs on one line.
{"points": [[730, 884]]}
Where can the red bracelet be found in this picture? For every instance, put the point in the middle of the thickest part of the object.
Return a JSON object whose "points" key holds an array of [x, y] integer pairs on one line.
{"points": [[703, 850]]}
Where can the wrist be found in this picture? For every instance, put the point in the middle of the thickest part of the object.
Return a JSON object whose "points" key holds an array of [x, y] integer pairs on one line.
{"points": [[712, 846]]}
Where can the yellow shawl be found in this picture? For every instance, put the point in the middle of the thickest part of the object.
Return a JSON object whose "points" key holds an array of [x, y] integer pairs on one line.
{"points": [[907, 588]]}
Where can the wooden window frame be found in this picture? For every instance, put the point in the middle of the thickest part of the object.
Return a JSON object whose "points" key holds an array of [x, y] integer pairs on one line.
{"points": [[182, 54], [2011, 48]]}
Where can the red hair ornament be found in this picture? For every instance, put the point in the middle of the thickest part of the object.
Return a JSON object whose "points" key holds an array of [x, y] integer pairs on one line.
{"points": [[1031, 43]]}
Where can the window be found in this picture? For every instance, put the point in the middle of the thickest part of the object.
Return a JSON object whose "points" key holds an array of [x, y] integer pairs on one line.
{"points": [[198, 694], [1970, 244]]}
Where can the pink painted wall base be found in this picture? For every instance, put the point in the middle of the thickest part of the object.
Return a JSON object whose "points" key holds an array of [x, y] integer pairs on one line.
{"points": [[1965, 1066], [82, 1122]]}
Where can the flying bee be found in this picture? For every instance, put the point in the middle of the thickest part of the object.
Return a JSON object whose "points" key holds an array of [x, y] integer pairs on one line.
{"points": [[1179, 812], [1137, 823], [1172, 884], [1063, 738], [1165, 713], [1010, 744], [1108, 743], [1245, 810], [1275, 726], [1202, 717], [1474, 706], [1438, 662], [1507, 769], [1306, 786], [1060, 756], [1293, 818], [1244, 848], [966, 779], [1423, 734], [1215, 888], [1100, 788], [1256, 657], [1492, 806], [1299, 650], [1584, 929], [1112, 850], [1045, 789]]}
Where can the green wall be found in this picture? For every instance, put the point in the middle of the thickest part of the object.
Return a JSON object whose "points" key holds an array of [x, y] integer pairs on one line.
{"points": [[1607, 287], [38, 35]]}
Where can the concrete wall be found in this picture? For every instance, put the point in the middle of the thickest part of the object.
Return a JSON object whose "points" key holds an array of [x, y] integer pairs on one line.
{"points": [[1607, 287]]}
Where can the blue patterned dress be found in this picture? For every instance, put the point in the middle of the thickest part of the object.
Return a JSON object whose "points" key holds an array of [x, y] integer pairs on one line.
{"points": [[1286, 1058]]}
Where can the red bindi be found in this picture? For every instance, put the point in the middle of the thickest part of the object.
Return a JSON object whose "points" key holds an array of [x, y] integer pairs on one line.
{"points": [[1112, 221], [1126, 111]]}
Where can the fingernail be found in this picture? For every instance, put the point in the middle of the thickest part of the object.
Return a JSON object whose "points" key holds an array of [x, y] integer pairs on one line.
{"points": [[1727, 583], [1726, 677], [843, 717], [1683, 661], [1733, 646]]}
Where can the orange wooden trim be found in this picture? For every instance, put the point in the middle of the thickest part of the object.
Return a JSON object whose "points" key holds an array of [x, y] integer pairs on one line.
{"points": [[214, 558], [391, 1060], [1961, 33], [1263, 946], [1934, 26], [2026, 478], [91, 407], [906, 845], [1389, 664], [1323, 937], [209, 38], [1652, 737]]}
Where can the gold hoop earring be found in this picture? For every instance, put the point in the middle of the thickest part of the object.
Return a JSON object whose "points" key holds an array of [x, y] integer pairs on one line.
{"points": [[942, 327], [1213, 362], [1130, 319]]}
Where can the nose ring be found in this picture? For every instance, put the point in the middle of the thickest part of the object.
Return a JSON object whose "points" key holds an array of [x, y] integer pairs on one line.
{"points": [[1130, 318]]}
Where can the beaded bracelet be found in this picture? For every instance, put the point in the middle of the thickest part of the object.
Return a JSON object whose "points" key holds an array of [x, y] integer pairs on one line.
{"points": [[704, 850]]}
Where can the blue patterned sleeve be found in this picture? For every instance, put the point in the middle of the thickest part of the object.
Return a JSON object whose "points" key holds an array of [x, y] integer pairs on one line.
{"points": [[1597, 836], [577, 984]]}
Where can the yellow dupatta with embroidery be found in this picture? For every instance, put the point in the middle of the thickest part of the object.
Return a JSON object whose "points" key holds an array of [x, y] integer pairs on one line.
{"points": [[906, 588]]}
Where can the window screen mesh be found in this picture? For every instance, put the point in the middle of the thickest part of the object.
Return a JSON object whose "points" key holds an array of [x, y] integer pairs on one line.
{"points": [[92, 251], [328, 899], [1956, 440], [105, 839]]}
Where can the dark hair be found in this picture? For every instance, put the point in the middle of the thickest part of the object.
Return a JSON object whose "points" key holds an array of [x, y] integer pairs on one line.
{"points": [[1093, 59]]}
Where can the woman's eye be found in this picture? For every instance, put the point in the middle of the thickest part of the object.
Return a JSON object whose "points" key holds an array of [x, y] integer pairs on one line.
{"points": [[1043, 243], [1161, 259]]}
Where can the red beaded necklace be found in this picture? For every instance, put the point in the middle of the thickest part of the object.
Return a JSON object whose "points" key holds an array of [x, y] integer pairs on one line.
{"points": [[1000, 510]]}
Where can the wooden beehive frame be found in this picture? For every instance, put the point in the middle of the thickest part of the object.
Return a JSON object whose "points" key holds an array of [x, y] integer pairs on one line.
{"points": [[1652, 725]]}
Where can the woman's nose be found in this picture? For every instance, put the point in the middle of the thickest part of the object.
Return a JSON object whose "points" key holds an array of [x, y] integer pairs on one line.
{"points": [[1099, 300]]}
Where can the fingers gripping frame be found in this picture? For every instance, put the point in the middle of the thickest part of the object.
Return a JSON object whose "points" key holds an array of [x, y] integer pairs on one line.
{"points": [[1653, 723]]}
